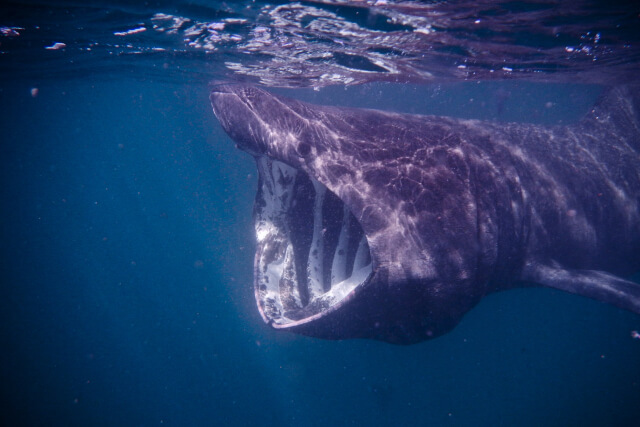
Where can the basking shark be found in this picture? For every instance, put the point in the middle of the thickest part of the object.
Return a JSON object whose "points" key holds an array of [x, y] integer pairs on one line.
{"points": [[372, 224]]}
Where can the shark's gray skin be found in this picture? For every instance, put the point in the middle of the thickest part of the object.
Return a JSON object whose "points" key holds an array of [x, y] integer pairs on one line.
{"points": [[372, 224]]}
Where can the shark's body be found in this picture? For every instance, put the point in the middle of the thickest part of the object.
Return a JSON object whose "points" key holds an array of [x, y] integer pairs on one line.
{"points": [[378, 225]]}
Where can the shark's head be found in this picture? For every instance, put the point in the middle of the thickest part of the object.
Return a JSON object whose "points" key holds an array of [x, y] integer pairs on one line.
{"points": [[338, 249]]}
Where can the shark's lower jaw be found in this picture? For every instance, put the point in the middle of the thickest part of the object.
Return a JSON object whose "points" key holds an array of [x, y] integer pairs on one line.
{"points": [[311, 253]]}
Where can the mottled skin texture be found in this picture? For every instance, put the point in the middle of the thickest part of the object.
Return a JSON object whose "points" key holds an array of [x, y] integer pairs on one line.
{"points": [[455, 209]]}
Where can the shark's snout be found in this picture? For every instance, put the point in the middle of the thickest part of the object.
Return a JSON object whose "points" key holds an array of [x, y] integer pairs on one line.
{"points": [[231, 105]]}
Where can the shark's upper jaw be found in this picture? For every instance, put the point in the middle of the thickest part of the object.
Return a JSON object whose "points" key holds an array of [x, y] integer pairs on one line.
{"points": [[311, 253]]}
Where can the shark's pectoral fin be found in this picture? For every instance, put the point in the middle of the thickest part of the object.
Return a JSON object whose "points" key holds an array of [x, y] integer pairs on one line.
{"points": [[595, 284]]}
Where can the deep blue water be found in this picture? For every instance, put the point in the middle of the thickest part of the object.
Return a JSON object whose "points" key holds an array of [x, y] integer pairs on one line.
{"points": [[127, 241], [127, 299]]}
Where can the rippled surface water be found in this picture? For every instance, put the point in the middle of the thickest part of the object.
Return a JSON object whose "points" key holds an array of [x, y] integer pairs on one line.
{"points": [[320, 43], [125, 214]]}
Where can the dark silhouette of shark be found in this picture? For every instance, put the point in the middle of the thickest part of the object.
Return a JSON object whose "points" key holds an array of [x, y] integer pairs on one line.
{"points": [[372, 224]]}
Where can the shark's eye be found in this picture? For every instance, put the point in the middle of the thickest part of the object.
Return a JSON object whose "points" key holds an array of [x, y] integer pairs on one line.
{"points": [[304, 149], [311, 252]]}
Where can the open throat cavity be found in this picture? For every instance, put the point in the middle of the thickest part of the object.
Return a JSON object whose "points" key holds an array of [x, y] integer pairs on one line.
{"points": [[311, 252]]}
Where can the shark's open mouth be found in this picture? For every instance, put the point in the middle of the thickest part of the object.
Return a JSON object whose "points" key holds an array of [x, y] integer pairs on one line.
{"points": [[311, 252]]}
